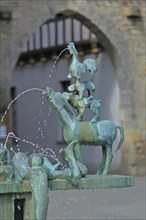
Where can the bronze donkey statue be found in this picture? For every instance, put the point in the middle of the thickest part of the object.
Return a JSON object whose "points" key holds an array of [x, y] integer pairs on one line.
{"points": [[102, 133]]}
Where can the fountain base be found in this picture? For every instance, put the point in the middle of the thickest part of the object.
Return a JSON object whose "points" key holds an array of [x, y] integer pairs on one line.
{"points": [[94, 182], [14, 195]]}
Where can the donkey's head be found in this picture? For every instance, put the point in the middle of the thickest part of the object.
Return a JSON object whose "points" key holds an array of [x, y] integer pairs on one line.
{"points": [[48, 93]]}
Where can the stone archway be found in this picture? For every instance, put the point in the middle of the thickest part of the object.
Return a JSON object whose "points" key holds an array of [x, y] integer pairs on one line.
{"points": [[106, 28], [112, 34]]}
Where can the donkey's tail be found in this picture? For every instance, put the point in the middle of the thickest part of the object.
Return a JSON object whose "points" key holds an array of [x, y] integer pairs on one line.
{"points": [[121, 138]]}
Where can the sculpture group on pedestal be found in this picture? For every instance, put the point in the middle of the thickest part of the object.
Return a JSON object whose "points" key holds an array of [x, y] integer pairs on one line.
{"points": [[78, 132], [38, 170]]}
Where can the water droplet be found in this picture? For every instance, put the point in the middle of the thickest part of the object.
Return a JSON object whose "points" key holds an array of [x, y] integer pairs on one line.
{"points": [[18, 207]]}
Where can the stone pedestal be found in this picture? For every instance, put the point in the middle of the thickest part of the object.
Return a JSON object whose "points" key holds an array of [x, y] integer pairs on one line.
{"points": [[94, 182], [17, 200]]}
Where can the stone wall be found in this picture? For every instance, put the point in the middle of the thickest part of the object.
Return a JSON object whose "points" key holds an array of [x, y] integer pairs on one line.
{"points": [[119, 26]]}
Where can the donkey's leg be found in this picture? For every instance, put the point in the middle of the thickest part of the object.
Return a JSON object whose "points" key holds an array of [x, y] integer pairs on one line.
{"points": [[69, 156], [83, 169], [78, 154], [108, 160], [100, 169]]}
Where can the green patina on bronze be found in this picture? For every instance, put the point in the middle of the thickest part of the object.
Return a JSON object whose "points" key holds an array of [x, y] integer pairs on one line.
{"points": [[28, 179], [94, 182], [94, 132], [101, 133], [88, 132]]}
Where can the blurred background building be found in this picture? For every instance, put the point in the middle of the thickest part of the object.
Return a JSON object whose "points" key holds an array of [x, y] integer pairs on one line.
{"points": [[33, 34]]}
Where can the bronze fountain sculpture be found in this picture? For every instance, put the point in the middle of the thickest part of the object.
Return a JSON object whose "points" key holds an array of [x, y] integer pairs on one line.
{"points": [[31, 177], [97, 133]]}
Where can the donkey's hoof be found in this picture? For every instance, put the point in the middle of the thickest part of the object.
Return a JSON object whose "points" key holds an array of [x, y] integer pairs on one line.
{"points": [[83, 169], [99, 172], [104, 174], [73, 180]]}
